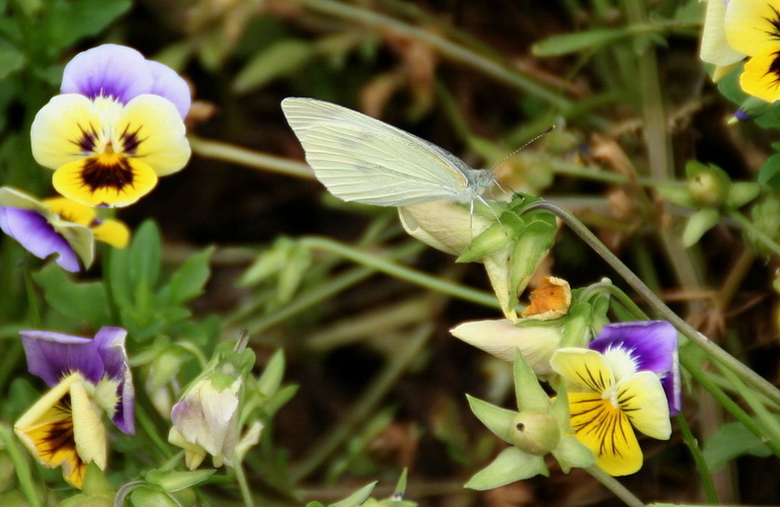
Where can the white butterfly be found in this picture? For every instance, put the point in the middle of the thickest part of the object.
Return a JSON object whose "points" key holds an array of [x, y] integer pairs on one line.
{"points": [[359, 158]]}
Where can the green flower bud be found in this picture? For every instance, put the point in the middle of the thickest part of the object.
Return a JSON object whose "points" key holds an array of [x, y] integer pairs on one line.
{"points": [[535, 433], [709, 185]]}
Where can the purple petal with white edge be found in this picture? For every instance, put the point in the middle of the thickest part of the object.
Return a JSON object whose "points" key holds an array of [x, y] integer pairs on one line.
{"points": [[170, 85], [653, 345], [110, 344], [109, 70], [53, 356], [38, 236]]}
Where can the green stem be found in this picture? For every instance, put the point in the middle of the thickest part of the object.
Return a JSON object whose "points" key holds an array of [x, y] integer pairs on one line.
{"points": [[715, 352], [246, 493], [21, 466], [32, 296], [401, 272], [367, 402], [615, 487], [225, 152], [754, 231], [698, 458], [498, 70]]}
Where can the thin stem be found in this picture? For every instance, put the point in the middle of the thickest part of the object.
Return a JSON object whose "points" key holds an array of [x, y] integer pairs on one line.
{"points": [[715, 352], [32, 296], [402, 272], [698, 458], [20, 465], [754, 231], [208, 148], [498, 70], [126, 489], [367, 402], [615, 487], [246, 493]]}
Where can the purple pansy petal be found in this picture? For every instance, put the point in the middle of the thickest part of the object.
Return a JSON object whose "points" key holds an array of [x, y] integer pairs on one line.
{"points": [[169, 85], [653, 345], [38, 236], [53, 356], [109, 70], [110, 344]]}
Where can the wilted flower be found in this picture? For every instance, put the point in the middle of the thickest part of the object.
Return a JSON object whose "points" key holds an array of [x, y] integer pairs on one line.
{"points": [[205, 419], [88, 377], [117, 126], [629, 376], [57, 226]]}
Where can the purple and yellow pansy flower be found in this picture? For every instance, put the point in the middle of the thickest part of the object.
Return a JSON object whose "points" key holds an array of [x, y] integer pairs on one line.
{"points": [[628, 378], [117, 126], [57, 226], [88, 377]]}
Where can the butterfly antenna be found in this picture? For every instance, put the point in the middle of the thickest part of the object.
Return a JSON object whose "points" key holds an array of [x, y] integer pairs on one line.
{"points": [[535, 138]]}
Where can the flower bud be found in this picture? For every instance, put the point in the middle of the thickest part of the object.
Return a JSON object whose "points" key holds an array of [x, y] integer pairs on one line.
{"points": [[535, 433]]}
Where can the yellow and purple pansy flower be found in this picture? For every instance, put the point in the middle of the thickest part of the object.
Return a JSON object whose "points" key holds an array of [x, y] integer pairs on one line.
{"points": [[117, 126], [57, 226], [88, 377], [627, 378], [735, 29]]}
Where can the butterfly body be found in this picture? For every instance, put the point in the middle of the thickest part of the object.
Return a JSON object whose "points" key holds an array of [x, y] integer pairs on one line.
{"points": [[361, 159]]}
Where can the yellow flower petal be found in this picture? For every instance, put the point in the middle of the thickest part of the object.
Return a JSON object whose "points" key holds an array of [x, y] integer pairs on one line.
{"points": [[46, 429], [750, 24], [62, 130], [89, 432], [761, 74], [153, 130], [606, 431], [105, 180], [584, 368], [113, 232], [642, 398], [714, 48], [71, 211]]}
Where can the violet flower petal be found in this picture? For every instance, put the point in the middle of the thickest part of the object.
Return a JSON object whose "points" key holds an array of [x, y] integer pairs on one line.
{"points": [[653, 345], [108, 70], [170, 85], [38, 236], [110, 344], [53, 356]]}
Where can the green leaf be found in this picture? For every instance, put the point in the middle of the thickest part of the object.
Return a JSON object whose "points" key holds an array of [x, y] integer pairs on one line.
{"points": [[144, 261], [496, 419], [277, 60], [741, 193], [71, 21], [569, 43], [271, 379], [770, 172], [86, 301], [731, 441], [700, 222], [11, 59], [189, 280], [530, 395], [357, 497], [509, 466]]}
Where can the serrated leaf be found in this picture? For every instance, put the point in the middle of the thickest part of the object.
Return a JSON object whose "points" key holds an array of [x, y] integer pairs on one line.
{"points": [[277, 60], [86, 301]]}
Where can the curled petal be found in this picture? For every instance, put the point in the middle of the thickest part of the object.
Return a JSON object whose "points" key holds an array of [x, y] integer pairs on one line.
{"points": [[643, 400], [89, 434], [110, 343], [105, 180], [585, 369], [46, 429], [169, 85], [606, 431], [54, 356], [34, 232], [113, 232], [761, 75], [108, 70]]}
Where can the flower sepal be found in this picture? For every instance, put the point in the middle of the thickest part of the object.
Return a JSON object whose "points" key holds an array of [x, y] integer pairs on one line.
{"points": [[95, 492]]}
